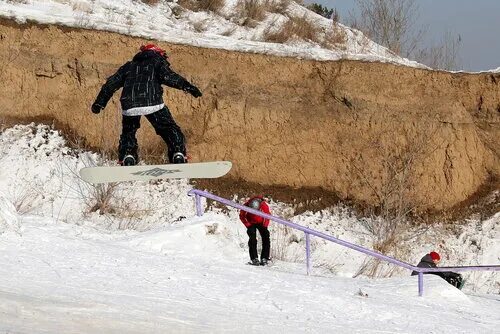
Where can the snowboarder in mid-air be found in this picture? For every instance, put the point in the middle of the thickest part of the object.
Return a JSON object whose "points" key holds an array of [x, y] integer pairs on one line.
{"points": [[253, 223], [430, 261], [142, 95]]}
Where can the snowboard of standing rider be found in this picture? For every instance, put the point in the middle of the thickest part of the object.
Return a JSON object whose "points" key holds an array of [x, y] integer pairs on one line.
{"points": [[142, 95], [255, 223], [431, 260]]}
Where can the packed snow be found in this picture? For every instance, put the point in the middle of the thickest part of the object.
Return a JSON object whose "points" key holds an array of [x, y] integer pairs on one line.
{"points": [[147, 263], [167, 22]]}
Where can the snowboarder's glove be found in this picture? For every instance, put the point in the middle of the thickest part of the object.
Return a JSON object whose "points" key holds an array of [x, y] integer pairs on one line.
{"points": [[193, 90], [96, 108]]}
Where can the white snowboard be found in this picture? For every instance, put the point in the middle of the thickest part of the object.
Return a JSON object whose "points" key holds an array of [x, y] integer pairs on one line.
{"points": [[203, 170]]}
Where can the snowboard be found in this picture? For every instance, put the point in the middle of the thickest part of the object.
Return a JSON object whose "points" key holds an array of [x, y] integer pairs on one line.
{"points": [[197, 170]]}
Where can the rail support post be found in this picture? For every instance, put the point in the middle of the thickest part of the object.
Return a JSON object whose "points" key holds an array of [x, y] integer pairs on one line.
{"points": [[308, 253], [199, 211], [420, 284]]}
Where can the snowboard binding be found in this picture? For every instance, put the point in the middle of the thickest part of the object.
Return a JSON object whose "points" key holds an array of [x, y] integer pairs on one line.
{"points": [[178, 158], [128, 160]]}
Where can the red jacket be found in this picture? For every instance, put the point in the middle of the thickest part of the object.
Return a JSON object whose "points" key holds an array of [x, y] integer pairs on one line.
{"points": [[248, 219]]}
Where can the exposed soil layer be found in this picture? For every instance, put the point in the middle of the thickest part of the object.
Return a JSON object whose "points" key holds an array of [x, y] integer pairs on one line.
{"points": [[302, 130]]}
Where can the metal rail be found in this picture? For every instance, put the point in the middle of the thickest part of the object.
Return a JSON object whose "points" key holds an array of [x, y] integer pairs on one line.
{"points": [[308, 232]]}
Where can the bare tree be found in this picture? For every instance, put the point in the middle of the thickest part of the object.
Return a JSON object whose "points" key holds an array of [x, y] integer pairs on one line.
{"points": [[391, 23], [396, 209], [444, 55]]}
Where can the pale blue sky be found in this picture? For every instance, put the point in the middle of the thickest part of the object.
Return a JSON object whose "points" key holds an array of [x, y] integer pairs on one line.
{"points": [[477, 22]]}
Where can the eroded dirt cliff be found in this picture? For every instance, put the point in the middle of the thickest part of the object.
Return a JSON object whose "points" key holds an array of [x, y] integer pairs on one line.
{"points": [[364, 130]]}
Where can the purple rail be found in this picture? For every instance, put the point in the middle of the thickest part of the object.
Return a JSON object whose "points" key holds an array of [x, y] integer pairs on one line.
{"points": [[199, 211]]}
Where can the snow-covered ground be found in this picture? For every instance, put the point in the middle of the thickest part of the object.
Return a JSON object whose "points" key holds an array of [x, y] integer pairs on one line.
{"points": [[152, 266], [166, 22]]}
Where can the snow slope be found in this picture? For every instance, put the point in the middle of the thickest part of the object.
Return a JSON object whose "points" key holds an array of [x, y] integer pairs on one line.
{"points": [[66, 278], [165, 22], [154, 267]]}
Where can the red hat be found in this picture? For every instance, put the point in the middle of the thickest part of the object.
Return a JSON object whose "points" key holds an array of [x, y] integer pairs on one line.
{"points": [[153, 47], [435, 256]]}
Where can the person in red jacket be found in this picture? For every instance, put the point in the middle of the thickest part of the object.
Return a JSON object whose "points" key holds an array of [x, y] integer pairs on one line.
{"points": [[253, 223]]}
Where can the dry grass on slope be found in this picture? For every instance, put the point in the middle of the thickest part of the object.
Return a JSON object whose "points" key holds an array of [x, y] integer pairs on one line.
{"points": [[250, 12], [150, 2], [214, 6], [295, 27], [302, 28]]}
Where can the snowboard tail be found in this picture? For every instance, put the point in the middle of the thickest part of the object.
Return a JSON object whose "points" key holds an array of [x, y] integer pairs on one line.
{"points": [[106, 174]]}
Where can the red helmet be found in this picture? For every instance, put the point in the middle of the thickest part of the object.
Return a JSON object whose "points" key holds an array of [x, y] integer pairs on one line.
{"points": [[154, 48], [435, 256]]}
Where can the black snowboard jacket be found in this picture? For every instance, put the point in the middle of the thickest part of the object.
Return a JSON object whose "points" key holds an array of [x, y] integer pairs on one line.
{"points": [[426, 262], [141, 80]]}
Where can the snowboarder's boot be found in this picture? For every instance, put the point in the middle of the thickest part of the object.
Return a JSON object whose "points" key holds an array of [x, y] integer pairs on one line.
{"points": [[254, 262], [129, 160], [178, 158], [264, 262]]}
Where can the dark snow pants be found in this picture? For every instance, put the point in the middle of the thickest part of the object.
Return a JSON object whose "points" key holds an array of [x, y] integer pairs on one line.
{"points": [[164, 125], [454, 279], [252, 241]]}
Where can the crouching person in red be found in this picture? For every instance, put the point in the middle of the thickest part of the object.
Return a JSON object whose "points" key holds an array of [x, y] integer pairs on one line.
{"points": [[253, 223]]}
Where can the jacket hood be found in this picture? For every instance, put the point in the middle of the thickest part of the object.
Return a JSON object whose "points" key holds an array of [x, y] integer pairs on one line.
{"points": [[428, 259]]}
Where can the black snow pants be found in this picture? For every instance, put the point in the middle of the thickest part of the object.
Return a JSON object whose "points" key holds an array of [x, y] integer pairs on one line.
{"points": [[454, 279], [252, 241], [165, 127]]}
